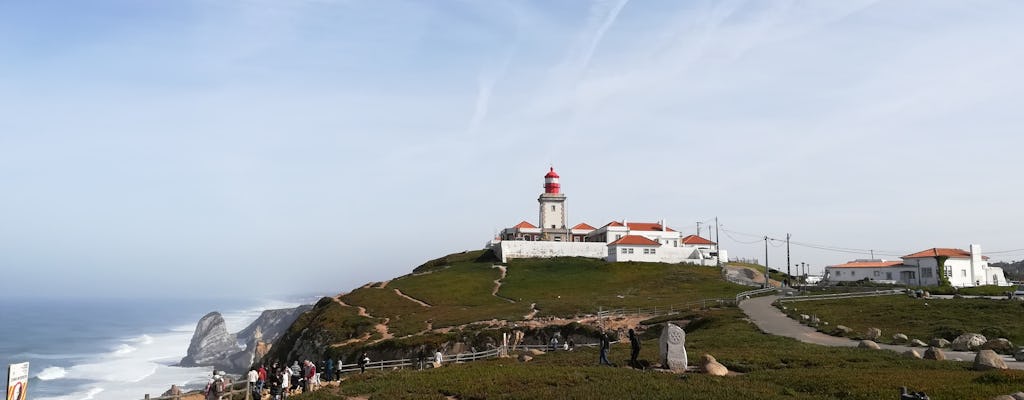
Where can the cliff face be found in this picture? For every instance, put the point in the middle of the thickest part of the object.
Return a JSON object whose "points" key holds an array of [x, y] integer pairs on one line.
{"points": [[271, 324], [211, 344]]}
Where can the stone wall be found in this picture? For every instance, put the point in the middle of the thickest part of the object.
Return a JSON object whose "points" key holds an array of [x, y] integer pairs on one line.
{"points": [[509, 249]]}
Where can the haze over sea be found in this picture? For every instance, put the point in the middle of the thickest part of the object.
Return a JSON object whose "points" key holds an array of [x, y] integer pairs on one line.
{"points": [[88, 348]]}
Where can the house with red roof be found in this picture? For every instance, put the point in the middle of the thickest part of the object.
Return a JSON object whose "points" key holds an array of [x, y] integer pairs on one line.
{"points": [[552, 236], [963, 268]]}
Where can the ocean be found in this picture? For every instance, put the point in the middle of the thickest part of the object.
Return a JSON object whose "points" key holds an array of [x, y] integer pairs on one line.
{"points": [[84, 349]]}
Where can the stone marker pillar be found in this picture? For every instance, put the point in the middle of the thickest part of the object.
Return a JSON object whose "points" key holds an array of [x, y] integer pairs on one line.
{"points": [[672, 346]]}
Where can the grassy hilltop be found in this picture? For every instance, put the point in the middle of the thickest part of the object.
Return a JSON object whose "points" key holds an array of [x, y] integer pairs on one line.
{"points": [[464, 298]]}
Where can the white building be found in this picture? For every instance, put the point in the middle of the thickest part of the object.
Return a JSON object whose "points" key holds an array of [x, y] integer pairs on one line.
{"points": [[551, 238], [962, 268]]}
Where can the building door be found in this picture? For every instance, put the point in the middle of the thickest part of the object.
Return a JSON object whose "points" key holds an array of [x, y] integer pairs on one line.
{"points": [[907, 276], [888, 276]]}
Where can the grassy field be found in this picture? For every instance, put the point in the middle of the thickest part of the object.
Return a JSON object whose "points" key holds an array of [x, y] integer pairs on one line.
{"points": [[572, 286], [772, 368], [919, 318]]}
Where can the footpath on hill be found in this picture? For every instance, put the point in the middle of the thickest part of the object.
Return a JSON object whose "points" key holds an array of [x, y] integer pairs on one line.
{"points": [[770, 320]]}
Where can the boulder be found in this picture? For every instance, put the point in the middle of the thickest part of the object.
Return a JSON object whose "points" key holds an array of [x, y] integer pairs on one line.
{"points": [[841, 330], [712, 367], [968, 342], [536, 352], [934, 353], [918, 343], [873, 334], [815, 320], [805, 317], [1000, 345], [525, 358], [173, 391], [1003, 397], [1018, 396], [939, 342], [868, 344], [211, 344], [912, 354], [899, 338], [1019, 355], [987, 360]]}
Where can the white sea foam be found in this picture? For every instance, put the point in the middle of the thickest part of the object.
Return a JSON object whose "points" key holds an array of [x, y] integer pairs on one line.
{"points": [[51, 373], [142, 364]]}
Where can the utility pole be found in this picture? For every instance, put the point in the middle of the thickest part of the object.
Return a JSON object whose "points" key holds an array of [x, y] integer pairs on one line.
{"points": [[872, 254], [718, 244], [789, 273], [698, 228], [766, 262]]}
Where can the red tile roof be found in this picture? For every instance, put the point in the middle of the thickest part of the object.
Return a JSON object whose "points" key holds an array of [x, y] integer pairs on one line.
{"points": [[869, 264], [583, 225], [646, 226], [694, 239], [524, 224], [941, 252], [613, 223], [635, 240]]}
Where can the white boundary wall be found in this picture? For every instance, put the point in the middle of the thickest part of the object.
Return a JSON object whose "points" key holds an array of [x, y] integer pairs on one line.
{"points": [[509, 249]]}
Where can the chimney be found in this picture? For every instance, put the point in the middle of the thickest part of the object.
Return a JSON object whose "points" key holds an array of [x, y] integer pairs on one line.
{"points": [[663, 227], [976, 263]]}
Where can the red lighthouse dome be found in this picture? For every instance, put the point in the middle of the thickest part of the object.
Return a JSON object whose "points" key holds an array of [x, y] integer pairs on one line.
{"points": [[551, 184]]}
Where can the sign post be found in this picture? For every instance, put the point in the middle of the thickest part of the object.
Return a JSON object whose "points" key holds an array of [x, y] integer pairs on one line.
{"points": [[17, 381]]}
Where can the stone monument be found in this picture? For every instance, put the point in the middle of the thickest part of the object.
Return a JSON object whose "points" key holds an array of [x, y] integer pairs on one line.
{"points": [[672, 347]]}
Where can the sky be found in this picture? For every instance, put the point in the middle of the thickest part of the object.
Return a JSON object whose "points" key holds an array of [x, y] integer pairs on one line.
{"points": [[258, 147]]}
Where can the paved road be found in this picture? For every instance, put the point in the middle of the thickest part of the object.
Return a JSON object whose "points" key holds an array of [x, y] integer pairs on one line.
{"points": [[772, 321]]}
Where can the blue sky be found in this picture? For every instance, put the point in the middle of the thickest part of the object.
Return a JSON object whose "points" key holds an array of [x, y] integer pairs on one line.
{"points": [[310, 146]]}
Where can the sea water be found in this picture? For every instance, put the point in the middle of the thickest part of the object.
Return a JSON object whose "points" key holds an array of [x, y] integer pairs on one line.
{"points": [[81, 349]]}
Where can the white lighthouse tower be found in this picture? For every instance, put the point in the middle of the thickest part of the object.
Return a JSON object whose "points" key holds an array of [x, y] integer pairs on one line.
{"points": [[552, 209]]}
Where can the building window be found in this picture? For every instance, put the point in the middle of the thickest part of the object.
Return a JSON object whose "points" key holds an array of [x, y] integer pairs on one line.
{"points": [[878, 273], [617, 237], [624, 250], [963, 273], [630, 250], [552, 208], [839, 273], [647, 251], [888, 275], [853, 273], [926, 273], [653, 250]]}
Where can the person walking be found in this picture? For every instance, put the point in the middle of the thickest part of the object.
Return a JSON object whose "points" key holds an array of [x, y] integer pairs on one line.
{"points": [[634, 349], [253, 378], [286, 382], [329, 370], [363, 360], [262, 382], [605, 346]]}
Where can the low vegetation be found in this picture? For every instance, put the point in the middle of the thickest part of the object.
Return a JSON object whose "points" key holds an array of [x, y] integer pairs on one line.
{"points": [[770, 368], [923, 319]]}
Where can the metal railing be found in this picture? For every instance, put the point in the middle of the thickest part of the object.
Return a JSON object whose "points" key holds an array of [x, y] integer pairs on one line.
{"points": [[842, 295], [415, 362], [754, 293]]}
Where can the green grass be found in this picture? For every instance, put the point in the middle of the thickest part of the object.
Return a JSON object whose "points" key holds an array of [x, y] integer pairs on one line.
{"points": [[406, 317], [901, 314], [460, 294], [573, 286], [773, 368], [327, 322]]}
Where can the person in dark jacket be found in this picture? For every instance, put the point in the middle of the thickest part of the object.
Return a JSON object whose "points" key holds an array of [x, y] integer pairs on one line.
{"points": [[363, 360], [634, 349], [605, 346]]}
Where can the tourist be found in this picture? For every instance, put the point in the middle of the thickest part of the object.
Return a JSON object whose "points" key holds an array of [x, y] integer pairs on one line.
{"points": [[420, 357], [253, 378], [276, 392], [329, 370], [340, 364], [310, 377], [215, 387], [570, 345], [286, 386], [438, 358], [296, 376], [262, 381], [554, 343], [605, 346], [634, 349], [363, 360]]}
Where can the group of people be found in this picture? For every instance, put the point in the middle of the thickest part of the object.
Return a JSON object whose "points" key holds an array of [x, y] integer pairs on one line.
{"points": [[281, 381], [634, 349]]}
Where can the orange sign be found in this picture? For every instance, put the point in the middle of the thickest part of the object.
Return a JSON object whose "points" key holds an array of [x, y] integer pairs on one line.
{"points": [[17, 381]]}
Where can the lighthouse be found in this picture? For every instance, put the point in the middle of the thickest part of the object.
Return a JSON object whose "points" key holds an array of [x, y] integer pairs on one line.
{"points": [[552, 209]]}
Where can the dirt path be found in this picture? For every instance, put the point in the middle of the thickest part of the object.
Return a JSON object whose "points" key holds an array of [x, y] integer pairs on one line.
{"points": [[772, 321], [533, 311], [381, 328], [497, 283], [412, 299], [360, 310]]}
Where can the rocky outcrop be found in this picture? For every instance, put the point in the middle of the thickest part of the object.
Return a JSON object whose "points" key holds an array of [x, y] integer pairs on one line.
{"points": [[873, 334], [968, 342], [988, 359], [271, 324], [211, 344]]}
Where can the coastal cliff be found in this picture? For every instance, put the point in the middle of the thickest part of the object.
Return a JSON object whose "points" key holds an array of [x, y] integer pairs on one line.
{"points": [[213, 346]]}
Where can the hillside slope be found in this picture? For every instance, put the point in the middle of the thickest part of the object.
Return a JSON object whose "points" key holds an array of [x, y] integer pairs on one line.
{"points": [[461, 300]]}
